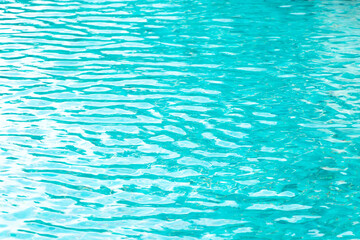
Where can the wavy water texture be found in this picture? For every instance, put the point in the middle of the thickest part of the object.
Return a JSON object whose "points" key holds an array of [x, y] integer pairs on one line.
{"points": [[179, 119]]}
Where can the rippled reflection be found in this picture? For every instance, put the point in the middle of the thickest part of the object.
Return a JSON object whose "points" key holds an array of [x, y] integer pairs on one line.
{"points": [[179, 119]]}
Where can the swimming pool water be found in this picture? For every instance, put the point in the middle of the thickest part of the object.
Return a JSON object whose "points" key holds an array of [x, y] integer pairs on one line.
{"points": [[179, 119]]}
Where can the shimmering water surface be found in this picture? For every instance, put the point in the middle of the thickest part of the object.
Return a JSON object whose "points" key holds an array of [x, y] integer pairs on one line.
{"points": [[179, 119]]}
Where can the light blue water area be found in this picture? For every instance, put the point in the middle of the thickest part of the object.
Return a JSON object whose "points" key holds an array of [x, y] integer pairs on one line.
{"points": [[179, 119]]}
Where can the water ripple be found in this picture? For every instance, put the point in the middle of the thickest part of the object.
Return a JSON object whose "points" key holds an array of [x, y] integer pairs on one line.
{"points": [[179, 120]]}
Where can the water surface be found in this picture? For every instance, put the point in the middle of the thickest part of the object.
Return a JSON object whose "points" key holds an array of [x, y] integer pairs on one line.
{"points": [[179, 119]]}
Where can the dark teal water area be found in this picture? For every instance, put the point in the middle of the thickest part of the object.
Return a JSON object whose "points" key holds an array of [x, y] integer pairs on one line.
{"points": [[179, 119]]}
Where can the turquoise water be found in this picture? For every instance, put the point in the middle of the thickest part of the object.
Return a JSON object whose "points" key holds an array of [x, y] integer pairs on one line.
{"points": [[179, 119]]}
